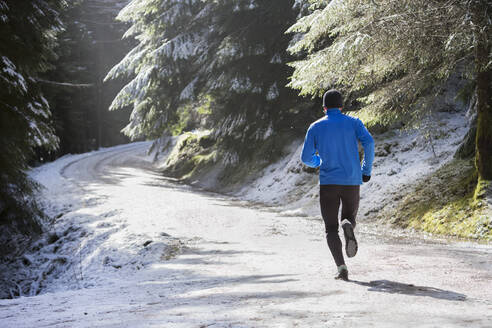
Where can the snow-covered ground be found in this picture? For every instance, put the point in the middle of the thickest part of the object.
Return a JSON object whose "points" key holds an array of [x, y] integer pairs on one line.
{"points": [[130, 248]]}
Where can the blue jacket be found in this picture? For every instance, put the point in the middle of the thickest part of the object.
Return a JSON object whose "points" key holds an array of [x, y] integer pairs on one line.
{"points": [[332, 143]]}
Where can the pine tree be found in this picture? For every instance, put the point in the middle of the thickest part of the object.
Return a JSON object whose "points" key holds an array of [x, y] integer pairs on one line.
{"points": [[228, 56], [245, 72], [160, 64], [28, 32], [393, 54]]}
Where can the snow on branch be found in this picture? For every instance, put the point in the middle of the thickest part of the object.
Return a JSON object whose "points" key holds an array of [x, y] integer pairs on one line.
{"points": [[135, 90], [13, 77], [180, 47], [129, 64]]}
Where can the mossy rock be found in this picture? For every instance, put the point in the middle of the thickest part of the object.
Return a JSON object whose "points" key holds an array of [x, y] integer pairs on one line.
{"points": [[190, 152]]}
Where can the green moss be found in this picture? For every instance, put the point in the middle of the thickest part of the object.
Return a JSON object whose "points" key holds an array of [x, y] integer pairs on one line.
{"points": [[191, 154], [191, 115], [184, 120], [458, 218], [200, 163], [445, 203], [205, 105]]}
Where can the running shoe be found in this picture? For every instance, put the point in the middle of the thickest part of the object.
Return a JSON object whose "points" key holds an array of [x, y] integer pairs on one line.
{"points": [[350, 241], [342, 273]]}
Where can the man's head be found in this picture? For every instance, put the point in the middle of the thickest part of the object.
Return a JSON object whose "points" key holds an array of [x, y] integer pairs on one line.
{"points": [[332, 99]]}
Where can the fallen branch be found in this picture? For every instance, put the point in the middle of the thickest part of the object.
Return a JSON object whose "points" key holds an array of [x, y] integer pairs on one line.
{"points": [[65, 84]]}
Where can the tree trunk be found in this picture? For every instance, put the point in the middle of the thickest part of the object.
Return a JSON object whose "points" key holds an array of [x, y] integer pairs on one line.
{"points": [[483, 157], [484, 127]]}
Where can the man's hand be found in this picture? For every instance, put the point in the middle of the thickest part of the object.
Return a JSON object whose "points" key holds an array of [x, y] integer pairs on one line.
{"points": [[366, 178]]}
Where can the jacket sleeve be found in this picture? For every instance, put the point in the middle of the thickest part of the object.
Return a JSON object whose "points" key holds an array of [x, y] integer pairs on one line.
{"points": [[367, 142], [308, 155]]}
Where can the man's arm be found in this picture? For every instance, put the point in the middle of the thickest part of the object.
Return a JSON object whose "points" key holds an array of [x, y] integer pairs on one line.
{"points": [[308, 155], [367, 142]]}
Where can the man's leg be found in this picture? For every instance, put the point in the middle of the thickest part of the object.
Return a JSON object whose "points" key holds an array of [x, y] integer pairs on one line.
{"points": [[329, 199], [350, 205], [350, 196]]}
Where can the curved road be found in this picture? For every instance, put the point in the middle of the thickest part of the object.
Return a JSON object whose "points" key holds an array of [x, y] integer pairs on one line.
{"points": [[145, 252]]}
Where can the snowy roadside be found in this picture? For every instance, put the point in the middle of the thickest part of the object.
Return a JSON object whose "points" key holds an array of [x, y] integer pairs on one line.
{"points": [[75, 235]]}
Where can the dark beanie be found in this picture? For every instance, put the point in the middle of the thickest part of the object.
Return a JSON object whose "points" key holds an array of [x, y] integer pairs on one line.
{"points": [[332, 99]]}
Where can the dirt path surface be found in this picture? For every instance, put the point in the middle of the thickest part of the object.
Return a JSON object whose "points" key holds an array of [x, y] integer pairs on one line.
{"points": [[142, 251]]}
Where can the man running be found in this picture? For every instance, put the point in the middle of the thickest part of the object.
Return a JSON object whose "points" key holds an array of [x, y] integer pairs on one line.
{"points": [[332, 144]]}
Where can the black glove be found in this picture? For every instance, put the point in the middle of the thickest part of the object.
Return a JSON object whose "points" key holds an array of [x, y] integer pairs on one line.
{"points": [[366, 178]]}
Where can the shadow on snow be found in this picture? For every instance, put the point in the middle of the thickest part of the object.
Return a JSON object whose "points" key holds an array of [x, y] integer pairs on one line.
{"points": [[393, 287]]}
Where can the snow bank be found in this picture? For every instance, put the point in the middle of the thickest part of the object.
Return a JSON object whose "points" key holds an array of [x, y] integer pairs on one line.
{"points": [[87, 239]]}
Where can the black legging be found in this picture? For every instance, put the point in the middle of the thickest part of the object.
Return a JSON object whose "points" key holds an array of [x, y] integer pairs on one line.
{"points": [[329, 198]]}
